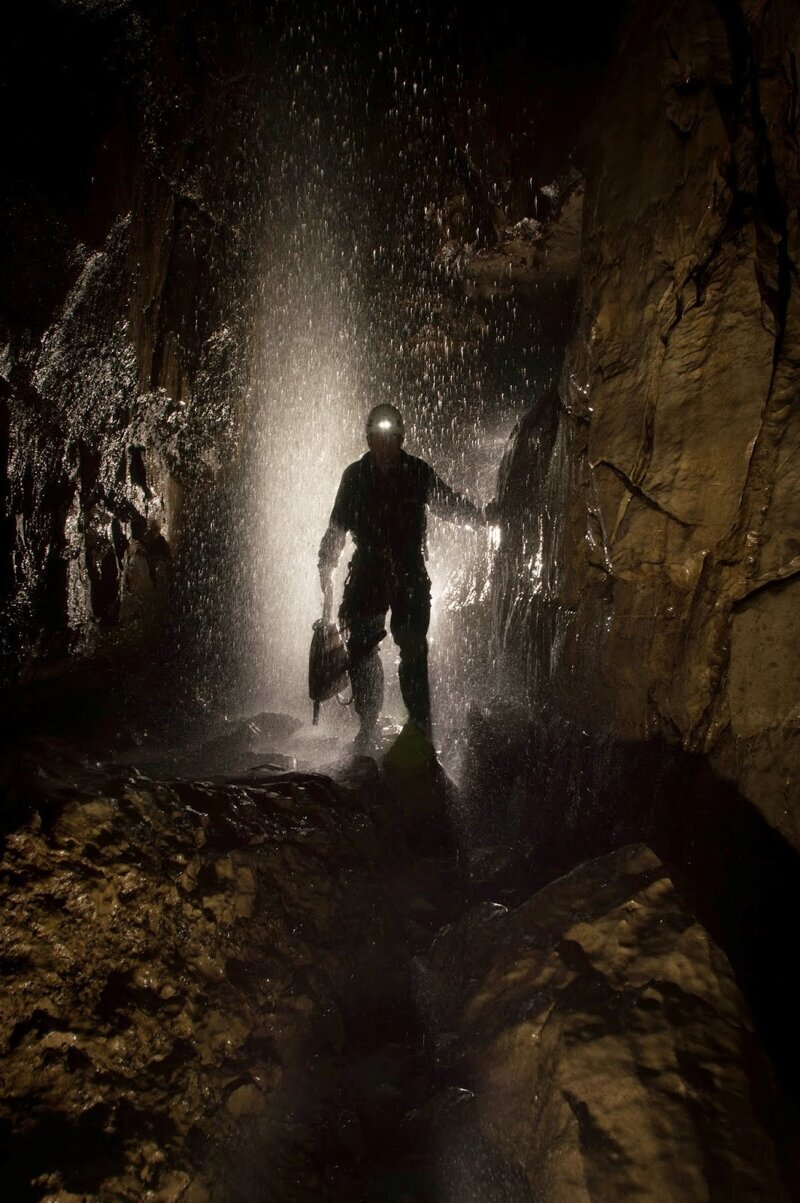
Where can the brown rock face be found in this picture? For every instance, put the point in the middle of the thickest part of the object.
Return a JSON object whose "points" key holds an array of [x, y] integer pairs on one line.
{"points": [[675, 463], [596, 1046], [176, 960], [123, 311]]}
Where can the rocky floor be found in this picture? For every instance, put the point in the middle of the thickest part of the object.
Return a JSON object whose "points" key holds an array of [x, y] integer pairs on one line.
{"points": [[600, 1048], [278, 983]]}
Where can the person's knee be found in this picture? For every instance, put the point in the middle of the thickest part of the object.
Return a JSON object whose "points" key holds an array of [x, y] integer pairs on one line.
{"points": [[364, 641], [413, 644], [365, 665]]}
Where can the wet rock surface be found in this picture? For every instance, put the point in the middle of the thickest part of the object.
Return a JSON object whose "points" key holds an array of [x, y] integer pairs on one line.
{"points": [[282, 985], [122, 310], [526, 254], [648, 575], [180, 964], [557, 795], [593, 1044]]}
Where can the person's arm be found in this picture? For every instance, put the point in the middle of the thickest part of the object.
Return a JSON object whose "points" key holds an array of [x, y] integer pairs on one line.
{"points": [[330, 549], [452, 505]]}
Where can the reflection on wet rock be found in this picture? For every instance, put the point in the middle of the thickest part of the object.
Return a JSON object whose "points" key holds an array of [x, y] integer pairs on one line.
{"points": [[647, 582], [175, 956], [598, 1047]]}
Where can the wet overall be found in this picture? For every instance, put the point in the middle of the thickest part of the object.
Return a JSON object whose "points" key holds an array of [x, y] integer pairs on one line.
{"points": [[386, 515]]}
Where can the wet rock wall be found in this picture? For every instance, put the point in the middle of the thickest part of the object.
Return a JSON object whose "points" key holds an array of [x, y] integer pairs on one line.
{"points": [[128, 204], [652, 504]]}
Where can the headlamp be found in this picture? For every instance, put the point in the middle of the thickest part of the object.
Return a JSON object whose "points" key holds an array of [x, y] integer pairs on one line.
{"points": [[385, 419]]}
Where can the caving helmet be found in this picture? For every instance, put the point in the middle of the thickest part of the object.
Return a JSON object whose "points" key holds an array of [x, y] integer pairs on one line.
{"points": [[385, 419]]}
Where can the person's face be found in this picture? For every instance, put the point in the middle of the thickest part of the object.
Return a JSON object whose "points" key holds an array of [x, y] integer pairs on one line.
{"points": [[385, 449]]}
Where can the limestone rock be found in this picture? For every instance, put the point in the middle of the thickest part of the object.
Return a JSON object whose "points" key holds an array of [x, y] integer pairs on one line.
{"points": [[123, 346], [650, 576], [599, 1048], [420, 788], [527, 253], [175, 955]]}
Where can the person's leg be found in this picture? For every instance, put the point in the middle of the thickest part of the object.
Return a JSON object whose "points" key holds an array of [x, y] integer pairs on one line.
{"points": [[363, 614], [411, 615], [366, 670]]}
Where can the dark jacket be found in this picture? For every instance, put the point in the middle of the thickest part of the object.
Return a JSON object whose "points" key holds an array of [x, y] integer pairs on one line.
{"points": [[386, 515]]}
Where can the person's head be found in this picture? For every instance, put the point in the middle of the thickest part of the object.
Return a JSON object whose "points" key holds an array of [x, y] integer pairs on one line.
{"points": [[385, 434]]}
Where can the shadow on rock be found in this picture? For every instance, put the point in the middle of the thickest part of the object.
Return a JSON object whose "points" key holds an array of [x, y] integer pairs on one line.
{"points": [[559, 796], [422, 792]]}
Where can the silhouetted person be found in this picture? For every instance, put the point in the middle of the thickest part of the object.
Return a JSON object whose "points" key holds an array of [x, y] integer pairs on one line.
{"points": [[382, 501]]}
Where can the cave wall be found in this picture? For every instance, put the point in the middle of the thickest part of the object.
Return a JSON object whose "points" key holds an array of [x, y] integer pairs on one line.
{"points": [[657, 555], [124, 308]]}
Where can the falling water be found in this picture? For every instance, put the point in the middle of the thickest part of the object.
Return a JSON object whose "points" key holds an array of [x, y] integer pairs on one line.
{"points": [[307, 387], [347, 318], [353, 307]]}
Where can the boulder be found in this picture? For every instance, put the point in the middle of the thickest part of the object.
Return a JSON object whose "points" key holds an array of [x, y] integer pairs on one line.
{"points": [[179, 960], [593, 1044]]}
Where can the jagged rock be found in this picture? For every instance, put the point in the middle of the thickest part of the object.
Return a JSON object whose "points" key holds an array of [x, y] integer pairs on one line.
{"points": [[529, 253], [491, 867], [123, 346], [421, 790], [270, 725], [237, 743], [175, 956], [658, 541], [601, 1046]]}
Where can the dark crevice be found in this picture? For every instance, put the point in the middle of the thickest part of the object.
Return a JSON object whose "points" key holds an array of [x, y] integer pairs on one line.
{"points": [[640, 493]]}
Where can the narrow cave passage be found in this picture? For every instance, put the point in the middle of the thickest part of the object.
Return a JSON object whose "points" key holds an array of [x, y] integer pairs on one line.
{"points": [[542, 953], [356, 301]]}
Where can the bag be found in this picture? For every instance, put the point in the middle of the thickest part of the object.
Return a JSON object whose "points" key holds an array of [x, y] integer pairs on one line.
{"points": [[327, 664]]}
